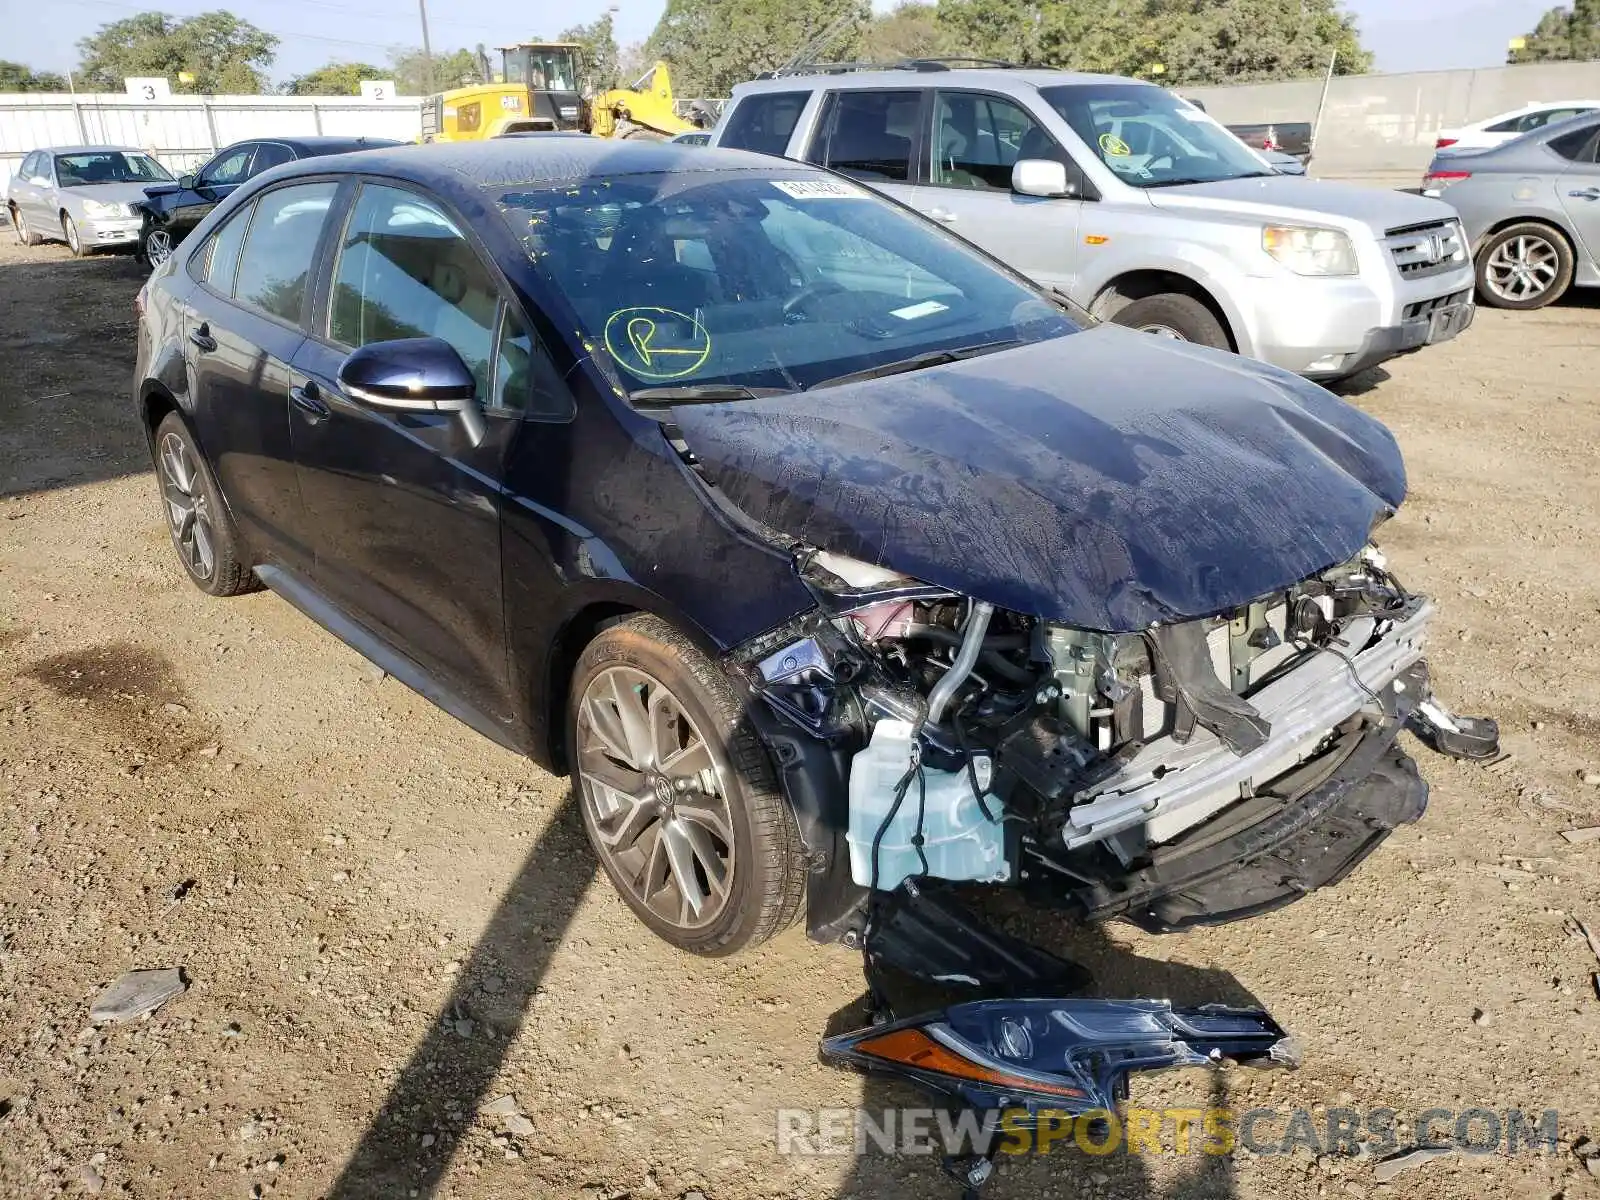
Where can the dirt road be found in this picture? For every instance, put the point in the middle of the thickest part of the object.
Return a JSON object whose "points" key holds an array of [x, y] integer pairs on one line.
{"points": [[388, 922]]}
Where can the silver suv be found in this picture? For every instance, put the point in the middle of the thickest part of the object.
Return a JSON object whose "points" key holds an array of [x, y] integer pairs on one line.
{"points": [[1135, 204]]}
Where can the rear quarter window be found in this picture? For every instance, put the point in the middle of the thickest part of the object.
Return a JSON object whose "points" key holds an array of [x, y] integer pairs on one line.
{"points": [[764, 122]]}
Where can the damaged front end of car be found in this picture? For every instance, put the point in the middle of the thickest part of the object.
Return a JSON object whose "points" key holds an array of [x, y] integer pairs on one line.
{"points": [[1134, 654], [1191, 773]]}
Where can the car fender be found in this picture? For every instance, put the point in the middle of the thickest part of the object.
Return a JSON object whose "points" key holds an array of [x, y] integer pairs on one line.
{"points": [[1207, 269]]}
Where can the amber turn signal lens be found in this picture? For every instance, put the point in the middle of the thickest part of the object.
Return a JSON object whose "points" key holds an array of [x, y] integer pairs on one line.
{"points": [[914, 1048]]}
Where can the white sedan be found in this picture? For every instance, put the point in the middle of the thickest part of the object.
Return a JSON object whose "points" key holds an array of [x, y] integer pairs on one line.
{"points": [[1502, 127], [82, 195]]}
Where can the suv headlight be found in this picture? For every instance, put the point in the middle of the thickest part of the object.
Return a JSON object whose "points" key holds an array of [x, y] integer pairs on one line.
{"points": [[1309, 251], [104, 208]]}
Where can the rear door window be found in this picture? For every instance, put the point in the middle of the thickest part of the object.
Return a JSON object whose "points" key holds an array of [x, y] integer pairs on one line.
{"points": [[764, 122], [279, 251], [1579, 145], [269, 155], [870, 135]]}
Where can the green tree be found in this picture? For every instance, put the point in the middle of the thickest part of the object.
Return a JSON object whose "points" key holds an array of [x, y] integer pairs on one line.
{"points": [[911, 31], [1563, 35], [712, 45], [601, 68], [458, 68], [1220, 41], [16, 77], [224, 53], [1193, 41], [334, 79]]}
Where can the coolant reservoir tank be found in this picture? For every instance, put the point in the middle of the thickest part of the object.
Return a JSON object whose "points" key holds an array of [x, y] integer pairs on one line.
{"points": [[958, 841]]}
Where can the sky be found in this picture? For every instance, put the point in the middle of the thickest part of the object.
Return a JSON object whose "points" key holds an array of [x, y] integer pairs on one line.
{"points": [[1407, 35]]}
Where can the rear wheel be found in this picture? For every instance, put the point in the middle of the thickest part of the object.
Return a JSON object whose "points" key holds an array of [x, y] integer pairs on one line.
{"points": [[1524, 266], [1176, 316], [677, 793], [208, 546], [69, 230], [25, 234]]}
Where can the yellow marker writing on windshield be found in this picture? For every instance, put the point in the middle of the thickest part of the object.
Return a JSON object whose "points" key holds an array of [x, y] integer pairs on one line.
{"points": [[1114, 146], [657, 343]]}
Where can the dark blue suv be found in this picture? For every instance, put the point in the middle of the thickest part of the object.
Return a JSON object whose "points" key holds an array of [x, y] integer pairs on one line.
{"points": [[826, 552]]}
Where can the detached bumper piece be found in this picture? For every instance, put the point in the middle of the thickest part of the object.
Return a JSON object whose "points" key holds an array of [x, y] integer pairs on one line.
{"points": [[1059, 1055]]}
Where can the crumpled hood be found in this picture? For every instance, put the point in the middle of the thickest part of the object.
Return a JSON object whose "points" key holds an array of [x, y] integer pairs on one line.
{"points": [[1107, 479]]}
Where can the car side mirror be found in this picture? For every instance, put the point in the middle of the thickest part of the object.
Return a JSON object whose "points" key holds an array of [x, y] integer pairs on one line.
{"points": [[188, 182], [414, 375], [1041, 177]]}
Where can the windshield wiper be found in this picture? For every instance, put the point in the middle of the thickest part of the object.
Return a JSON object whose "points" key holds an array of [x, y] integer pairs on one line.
{"points": [[701, 393], [1166, 183], [930, 358]]}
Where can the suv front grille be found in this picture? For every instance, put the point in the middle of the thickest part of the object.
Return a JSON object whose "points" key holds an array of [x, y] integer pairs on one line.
{"points": [[1430, 249]]}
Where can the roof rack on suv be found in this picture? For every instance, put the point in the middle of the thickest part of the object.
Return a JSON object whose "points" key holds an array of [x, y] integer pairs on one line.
{"points": [[903, 64]]}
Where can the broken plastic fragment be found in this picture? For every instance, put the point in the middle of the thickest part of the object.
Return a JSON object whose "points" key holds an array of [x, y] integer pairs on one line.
{"points": [[137, 994]]}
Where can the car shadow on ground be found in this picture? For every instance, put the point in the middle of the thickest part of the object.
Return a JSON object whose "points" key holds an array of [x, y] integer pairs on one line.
{"points": [[439, 1090], [67, 347]]}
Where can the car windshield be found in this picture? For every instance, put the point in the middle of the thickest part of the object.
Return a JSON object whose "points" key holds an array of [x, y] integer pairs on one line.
{"points": [[766, 280], [1150, 137], [108, 166]]}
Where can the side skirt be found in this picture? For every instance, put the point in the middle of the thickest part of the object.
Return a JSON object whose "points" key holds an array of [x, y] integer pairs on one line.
{"points": [[291, 587]]}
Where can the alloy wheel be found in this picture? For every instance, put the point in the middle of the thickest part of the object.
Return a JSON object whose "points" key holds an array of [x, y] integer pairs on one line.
{"points": [[1522, 268], [70, 227], [158, 246], [188, 510], [22, 226], [1163, 331], [656, 796]]}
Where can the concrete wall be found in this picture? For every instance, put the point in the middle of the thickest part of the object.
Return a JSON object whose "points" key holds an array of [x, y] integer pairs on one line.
{"points": [[1380, 127], [183, 131]]}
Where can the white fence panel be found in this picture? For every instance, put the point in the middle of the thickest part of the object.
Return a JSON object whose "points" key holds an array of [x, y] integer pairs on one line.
{"points": [[184, 131]]}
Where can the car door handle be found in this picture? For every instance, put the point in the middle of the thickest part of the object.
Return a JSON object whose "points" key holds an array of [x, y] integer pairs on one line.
{"points": [[1586, 194], [308, 399], [201, 337]]}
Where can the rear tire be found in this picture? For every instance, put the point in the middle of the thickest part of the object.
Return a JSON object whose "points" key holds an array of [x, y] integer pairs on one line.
{"points": [[671, 778], [1524, 267], [1174, 315], [25, 233], [203, 534]]}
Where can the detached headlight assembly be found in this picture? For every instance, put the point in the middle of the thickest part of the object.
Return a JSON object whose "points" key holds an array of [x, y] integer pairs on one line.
{"points": [[104, 208], [1308, 251], [1067, 1055]]}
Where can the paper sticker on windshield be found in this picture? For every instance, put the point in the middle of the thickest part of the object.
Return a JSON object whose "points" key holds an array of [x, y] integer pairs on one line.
{"points": [[1115, 146], [657, 343], [815, 189], [926, 309]]}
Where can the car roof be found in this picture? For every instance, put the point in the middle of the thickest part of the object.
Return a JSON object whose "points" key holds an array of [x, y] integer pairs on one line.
{"points": [[103, 149], [913, 76], [324, 143], [456, 167]]}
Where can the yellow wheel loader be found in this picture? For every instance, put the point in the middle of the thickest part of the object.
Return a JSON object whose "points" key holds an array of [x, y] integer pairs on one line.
{"points": [[537, 92]]}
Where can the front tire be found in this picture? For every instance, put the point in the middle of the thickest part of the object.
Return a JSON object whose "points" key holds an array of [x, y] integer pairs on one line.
{"points": [[202, 532], [155, 246], [677, 793], [1524, 266], [69, 231], [1176, 316]]}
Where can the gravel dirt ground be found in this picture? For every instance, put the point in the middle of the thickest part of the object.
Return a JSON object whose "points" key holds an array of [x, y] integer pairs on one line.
{"points": [[387, 922]]}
